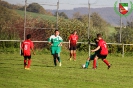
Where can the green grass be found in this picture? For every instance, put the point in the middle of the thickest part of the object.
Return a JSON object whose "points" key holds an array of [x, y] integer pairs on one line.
{"points": [[37, 15], [43, 74]]}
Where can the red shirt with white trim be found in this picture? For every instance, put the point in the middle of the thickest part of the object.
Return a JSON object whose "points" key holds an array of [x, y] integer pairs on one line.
{"points": [[26, 46], [103, 47], [73, 39]]}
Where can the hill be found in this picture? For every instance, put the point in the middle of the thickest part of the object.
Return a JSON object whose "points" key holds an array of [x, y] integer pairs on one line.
{"points": [[37, 15], [107, 13]]}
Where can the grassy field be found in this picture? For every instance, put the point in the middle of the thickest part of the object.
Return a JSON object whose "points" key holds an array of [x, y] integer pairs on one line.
{"points": [[37, 15], [43, 74]]}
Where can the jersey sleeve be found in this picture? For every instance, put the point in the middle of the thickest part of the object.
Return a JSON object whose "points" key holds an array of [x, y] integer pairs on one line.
{"points": [[77, 37], [69, 38], [49, 39], [60, 39], [99, 43]]}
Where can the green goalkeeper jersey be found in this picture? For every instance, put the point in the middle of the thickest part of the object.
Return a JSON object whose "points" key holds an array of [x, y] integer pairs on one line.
{"points": [[55, 40]]}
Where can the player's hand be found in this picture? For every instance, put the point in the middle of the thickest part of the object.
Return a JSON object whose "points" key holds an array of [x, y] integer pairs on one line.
{"points": [[34, 53], [68, 46], [60, 44], [22, 53]]}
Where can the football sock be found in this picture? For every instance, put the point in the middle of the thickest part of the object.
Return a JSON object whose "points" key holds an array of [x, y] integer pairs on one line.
{"points": [[106, 62], [94, 63], [54, 57], [74, 56], [87, 64], [29, 62], [70, 55], [25, 63], [58, 59]]}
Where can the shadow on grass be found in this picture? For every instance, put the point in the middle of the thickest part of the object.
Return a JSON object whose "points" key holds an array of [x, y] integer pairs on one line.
{"points": [[43, 65], [5, 67]]}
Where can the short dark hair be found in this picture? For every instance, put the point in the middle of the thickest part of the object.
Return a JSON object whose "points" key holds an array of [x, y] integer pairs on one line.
{"points": [[56, 30], [95, 39], [99, 35], [74, 31], [28, 36]]}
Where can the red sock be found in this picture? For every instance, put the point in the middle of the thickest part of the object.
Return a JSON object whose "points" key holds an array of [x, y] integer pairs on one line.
{"points": [[94, 63], [74, 55], [25, 63], [106, 62], [29, 62]]}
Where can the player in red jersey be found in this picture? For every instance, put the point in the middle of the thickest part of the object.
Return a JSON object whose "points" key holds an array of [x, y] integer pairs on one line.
{"points": [[103, 52], [26, 46], [73, 38]]}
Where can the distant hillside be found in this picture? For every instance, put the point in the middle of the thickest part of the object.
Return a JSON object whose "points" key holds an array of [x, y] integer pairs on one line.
{"points": [[107, 14]]}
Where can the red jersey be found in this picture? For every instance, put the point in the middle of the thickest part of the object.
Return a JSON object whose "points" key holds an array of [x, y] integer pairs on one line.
{"points": [[73, 39], [103, 47], [26, 46]]}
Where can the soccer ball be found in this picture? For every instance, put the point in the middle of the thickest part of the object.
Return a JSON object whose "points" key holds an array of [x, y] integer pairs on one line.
{"points": [[83, 66]]}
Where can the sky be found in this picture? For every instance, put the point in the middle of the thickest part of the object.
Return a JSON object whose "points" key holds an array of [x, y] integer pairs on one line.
{"points": [[69, 4]]}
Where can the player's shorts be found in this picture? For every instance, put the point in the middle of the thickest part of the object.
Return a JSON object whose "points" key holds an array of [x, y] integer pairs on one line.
{"points": [[55, 49], [92, 56], [101, 56], [72, 47], [27, 57]]}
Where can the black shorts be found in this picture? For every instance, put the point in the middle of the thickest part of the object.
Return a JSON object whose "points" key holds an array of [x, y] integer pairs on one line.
{"points": [[72, 47], [27, 57], [101, 56]]}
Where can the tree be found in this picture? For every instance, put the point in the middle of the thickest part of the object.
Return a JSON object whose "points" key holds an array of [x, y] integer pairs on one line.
{"points": [[61, 14], [35, 7], [77, 15], [10, 6]]}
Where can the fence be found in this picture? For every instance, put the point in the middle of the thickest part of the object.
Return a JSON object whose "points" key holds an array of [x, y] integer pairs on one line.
{"points": [[120, 44]]}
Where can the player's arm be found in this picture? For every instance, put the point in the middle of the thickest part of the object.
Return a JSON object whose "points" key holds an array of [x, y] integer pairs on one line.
{"points": [[33, 51], [61, 40], [96, 49], [21, 47], [77, 40], [49, 41], [32, 48], [69, 43]]}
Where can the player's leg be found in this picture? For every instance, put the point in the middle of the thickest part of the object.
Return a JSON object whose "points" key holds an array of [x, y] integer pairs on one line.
{"points": [[25, 62], [71, 54], [74, 53], [94, 62], [53, 52], [89, 59], [58, 50], [29, 61], [54, 58], [106, 61], [87, 62]]}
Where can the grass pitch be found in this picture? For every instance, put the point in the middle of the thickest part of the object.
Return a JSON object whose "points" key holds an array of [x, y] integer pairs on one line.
{"points": [[43, 74]]}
